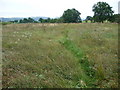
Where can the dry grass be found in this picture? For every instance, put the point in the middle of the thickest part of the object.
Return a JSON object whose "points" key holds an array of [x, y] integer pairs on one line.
{"points": [[34, 57]]}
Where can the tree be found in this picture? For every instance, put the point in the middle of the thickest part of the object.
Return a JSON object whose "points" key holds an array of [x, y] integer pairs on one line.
{"points": [[88, 18], [71, 16], [15, 21], [115, 18], [30, 20], [40, 20], [25, 20], [102, 11], [20, 21], [48, 20], [60, 20], [53, 21]]}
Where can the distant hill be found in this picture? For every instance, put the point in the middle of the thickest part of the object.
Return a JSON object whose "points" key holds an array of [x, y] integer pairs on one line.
{"points": [[18, 18], [37, 18]]}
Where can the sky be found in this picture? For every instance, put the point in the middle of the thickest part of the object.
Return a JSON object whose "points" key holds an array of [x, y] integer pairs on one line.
{"points": [[49, 8]]}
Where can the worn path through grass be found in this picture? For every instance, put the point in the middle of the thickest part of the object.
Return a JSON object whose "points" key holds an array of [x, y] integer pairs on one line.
{"points": [[87, 76]]}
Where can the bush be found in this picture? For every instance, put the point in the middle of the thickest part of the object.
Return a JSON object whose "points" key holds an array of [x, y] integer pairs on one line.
{"points": [[5, 23]]}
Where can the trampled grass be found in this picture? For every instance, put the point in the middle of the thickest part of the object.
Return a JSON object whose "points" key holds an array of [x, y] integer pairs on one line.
{"points": [[60, 55]]}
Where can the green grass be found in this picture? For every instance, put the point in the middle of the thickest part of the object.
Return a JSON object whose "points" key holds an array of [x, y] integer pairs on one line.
{"points": [[60, 55], [88, 73]]}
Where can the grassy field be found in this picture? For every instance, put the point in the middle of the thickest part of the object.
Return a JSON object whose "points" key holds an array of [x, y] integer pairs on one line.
{"points": [[60, 55]]}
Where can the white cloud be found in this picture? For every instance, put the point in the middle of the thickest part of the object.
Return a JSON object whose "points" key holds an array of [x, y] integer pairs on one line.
{"points": [[49, 8]]}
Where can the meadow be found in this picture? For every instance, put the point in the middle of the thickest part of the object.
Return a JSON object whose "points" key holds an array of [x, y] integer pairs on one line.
{"points": [[82, 55]]}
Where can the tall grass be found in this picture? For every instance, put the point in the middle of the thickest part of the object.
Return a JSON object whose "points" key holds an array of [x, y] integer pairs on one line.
{"points": [[60, 55]]}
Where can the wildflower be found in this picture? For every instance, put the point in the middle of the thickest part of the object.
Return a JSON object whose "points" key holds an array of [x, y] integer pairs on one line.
{"points": [[103, 47], [13, 35], [18, 39], [83, 83], [22, 35], [50, 40]]}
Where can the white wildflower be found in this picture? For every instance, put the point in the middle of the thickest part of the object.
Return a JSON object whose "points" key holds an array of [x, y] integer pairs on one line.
{"points": [[18, 39], [13, 35], [22, 35], [83, 83], [50, 40], [16, 42]]}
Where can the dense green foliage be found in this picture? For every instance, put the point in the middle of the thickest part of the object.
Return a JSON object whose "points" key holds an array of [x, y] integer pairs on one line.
{"points": [[115, 18], [89, 18], [49, 20], [102, 11], [29, 20], [71, 16]]}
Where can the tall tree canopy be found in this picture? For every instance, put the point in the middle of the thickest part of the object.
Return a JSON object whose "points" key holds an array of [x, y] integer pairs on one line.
{"points": [[102, 11], [71, 16]]}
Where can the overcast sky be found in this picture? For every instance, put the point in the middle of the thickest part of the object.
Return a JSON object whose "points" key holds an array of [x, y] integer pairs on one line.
{"points": [[49, 8]]}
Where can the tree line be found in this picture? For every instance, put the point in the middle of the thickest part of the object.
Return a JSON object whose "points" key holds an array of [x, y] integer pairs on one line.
{"points": [[102, 12]]}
